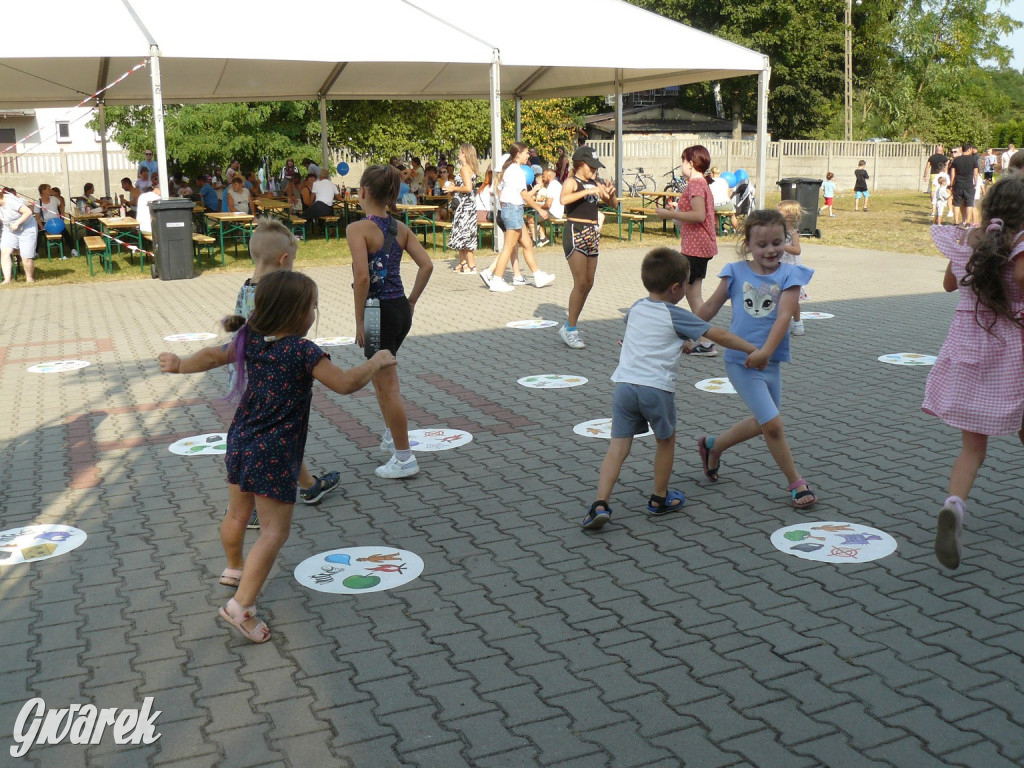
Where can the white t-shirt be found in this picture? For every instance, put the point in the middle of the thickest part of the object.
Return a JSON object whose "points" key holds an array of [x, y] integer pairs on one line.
{"points": [[50, 210], [1004, 159], [653, 342], [142, 211], [238, 202], [11, 211], [513, 183], [554, 194], [719, 191], [143, 185], [324, 191]]}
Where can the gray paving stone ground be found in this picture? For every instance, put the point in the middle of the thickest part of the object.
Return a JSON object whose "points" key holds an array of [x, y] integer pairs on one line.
{"points": [[686, 640]]}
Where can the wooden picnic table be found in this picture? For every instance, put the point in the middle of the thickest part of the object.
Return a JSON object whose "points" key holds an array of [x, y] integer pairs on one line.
{"points": [[113, 226], [424, 213], [658, 200], [229, 224]]}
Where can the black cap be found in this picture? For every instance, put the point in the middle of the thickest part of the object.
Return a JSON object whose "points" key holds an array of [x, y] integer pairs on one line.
{"points": [[586, 155]]}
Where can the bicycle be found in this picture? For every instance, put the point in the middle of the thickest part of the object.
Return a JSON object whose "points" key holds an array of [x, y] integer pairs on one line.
{"points": [[676, 183], [641, 182]]}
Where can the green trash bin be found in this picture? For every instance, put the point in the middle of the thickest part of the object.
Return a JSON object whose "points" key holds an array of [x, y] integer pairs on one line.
{"points": [[172, 239], [805, 192]]}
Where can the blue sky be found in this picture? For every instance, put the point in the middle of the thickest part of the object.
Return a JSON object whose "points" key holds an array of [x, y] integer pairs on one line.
{"points": [[1015, 9]]}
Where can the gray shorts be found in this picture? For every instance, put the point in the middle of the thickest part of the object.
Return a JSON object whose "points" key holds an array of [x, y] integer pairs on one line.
{"points": [[635, 406], [24, 240]]}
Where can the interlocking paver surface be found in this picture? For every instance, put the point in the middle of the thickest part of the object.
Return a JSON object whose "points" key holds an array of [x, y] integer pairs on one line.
{"points": [[681, 640]]}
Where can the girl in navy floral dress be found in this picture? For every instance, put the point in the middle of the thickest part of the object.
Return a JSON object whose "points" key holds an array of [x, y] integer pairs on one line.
{"points": [[275, 371]]}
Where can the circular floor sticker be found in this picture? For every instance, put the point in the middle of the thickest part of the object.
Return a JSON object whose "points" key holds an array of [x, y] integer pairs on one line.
{"points": [[334, 341], [59, 366], [832, 542], [201, 445], [601, 428], [721, 386], [907, 358], [816, 315], [552, 381], [190, 337], [352, 570], [38, 542], [439, 439], [537, 322]]}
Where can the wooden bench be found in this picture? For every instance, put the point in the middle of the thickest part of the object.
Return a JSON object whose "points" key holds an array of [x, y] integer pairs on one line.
{"points": [[635, 218], [96, 244], [206, 243], [446, 228], [331, 221], [481, 227], [52, 240]]}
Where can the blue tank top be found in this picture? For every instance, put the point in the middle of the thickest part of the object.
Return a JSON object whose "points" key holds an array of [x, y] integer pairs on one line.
{"points": [[393, 288]]}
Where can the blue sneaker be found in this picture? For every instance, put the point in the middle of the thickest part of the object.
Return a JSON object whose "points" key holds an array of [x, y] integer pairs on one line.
{"points": [[321, 487]]}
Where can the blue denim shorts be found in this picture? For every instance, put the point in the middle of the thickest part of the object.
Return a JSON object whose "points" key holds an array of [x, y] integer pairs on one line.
{"points": [[512, 216]]}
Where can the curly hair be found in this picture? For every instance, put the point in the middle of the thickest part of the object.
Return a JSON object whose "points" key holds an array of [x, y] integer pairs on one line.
{"points": [[1002, 218]]}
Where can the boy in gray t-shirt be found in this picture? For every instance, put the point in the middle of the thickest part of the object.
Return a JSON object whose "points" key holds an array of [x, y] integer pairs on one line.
{"points": [[645, 379]]}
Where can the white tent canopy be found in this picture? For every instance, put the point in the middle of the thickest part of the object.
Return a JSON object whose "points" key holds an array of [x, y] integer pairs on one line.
{"points": [[206, 52]]}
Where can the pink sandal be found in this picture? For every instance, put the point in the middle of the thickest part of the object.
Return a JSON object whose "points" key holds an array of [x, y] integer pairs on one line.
{"points": [[237, 615], [231, 577]]}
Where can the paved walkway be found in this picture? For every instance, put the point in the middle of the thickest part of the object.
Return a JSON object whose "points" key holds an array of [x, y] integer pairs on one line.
{"points": [[682, 640]]}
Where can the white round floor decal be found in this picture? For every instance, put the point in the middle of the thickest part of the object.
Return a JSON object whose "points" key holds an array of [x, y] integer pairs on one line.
{"points": [[214, 444], [834, 542], [816, 315], [537, 322], [59, 366], [190, 337], [907, 358], [601, 428], [38, 542], [552, 381], [437, 439], [720, 386], [334, 341], [352, 570]]}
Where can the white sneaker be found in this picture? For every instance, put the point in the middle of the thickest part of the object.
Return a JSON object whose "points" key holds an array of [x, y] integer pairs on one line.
{"points": [[486, 275], [500, 286], [571, 338], [796, 328], [74, 252], [387, 445], [540, 279], [395, 468], [518, 280]]}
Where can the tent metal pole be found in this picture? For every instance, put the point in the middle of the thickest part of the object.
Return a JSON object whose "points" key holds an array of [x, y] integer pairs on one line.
{"points": [[158, 120], [618, 132], [103, 146], [495, 99], [519, 118], [323, 131], [762, 131]]}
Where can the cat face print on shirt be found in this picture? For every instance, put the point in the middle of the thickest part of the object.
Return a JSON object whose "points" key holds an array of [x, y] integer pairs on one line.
{"points": [[760, 300]]}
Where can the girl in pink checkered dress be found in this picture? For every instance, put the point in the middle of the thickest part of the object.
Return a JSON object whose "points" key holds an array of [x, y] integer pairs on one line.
{"points": [[977, 384]]}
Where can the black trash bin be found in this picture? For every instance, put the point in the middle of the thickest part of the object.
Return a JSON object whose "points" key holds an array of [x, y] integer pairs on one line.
{"points": [[172, 239], [805, 192]]}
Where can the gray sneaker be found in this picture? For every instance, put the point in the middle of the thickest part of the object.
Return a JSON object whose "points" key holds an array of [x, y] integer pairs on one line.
{"points": [[571, 338], [704, 350], [395, 468]]}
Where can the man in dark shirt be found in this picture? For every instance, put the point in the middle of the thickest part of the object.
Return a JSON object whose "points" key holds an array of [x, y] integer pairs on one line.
{"points": [[963, 177]]}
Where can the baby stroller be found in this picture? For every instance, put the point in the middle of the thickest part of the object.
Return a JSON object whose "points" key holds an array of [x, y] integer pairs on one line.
{"points": [[742, 198]]}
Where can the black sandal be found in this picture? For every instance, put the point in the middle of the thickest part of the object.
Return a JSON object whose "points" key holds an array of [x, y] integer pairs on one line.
{"points": [[711, 473]]}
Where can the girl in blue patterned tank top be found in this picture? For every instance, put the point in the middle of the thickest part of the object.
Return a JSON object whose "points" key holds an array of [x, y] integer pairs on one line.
{"points": [[376, 274]]}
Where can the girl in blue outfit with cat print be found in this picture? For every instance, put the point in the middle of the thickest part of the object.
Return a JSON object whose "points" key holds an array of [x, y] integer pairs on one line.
{"points": [[764, 293]]}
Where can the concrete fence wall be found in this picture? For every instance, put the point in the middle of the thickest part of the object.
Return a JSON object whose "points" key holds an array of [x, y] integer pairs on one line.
{"points": [[891, 165]]}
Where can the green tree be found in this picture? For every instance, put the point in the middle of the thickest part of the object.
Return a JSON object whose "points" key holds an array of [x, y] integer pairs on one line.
{"points": [[200, 135]]}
